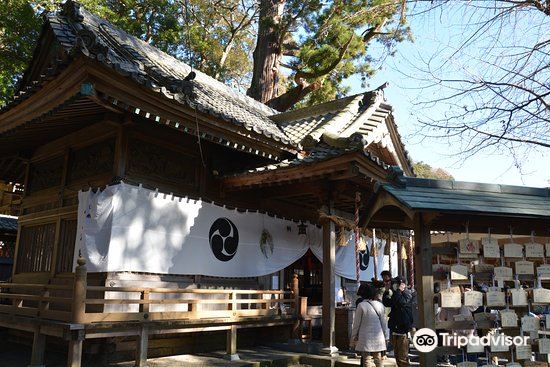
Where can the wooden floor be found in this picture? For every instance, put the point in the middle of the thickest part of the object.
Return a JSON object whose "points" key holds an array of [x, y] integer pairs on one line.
{"points": [[17, 355]]}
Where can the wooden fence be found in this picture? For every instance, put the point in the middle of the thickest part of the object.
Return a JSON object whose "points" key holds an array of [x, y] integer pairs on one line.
{"points": [[80, 303]]}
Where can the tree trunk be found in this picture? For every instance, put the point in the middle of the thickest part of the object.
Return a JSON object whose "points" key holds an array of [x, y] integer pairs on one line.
{"points": [[268, 52]]}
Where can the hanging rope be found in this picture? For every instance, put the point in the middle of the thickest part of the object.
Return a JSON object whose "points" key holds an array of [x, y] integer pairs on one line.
{"points": [[374, 248], [389, 245], [357, 237], [411, 261]]}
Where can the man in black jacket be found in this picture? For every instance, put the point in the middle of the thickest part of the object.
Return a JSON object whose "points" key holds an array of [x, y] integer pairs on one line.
{"points": [[399, 298]]}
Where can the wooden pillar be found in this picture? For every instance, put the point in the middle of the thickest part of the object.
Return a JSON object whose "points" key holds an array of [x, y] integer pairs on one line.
{"points": [[231, 343], [296, 329], [329, 291], [424, 283], [79, 292], [142, 346], [74, 357], [38, 349]]}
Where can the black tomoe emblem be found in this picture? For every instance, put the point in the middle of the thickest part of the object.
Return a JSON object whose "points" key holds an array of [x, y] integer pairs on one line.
{"points": [[224, 239], [363, 260]]}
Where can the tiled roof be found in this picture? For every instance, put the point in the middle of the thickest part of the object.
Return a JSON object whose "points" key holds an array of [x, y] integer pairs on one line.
{"points": [[469, 197], [77, 29], [319, 153], [354, 117]]}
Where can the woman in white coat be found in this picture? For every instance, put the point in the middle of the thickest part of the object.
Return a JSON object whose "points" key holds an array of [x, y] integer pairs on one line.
{"points": [[370, 332]]}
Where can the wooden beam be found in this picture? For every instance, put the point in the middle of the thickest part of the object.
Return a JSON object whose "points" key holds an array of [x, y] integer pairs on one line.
{"points": [[424, 282], [50, 95], [329, 292]]}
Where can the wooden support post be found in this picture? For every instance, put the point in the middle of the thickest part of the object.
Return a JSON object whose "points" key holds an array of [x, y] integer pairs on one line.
{"points": [[296, 329], [38, 349], [296, 293], [424, 283], [79, 292], [329, 291], [74, 357], [142, 346], [231, 344]]}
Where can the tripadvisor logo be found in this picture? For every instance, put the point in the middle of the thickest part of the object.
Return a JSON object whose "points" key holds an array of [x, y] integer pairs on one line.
{"points": [[425, 340]]}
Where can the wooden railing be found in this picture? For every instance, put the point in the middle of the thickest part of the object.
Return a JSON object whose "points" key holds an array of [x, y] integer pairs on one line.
{"points": [[81, 303]]}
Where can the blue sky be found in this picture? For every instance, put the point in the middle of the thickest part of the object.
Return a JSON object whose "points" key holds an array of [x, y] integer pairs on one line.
{"points": [[433, 32]]}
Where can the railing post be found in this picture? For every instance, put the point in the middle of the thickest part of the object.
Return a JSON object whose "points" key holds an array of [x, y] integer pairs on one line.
{"points": [[296, 294], [44, 305], [144, 307], [296, 329], [79, 292], [74, 357]]}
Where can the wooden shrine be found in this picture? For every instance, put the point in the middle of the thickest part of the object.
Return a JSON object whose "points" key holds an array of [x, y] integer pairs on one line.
{"points": [[97, 107]]}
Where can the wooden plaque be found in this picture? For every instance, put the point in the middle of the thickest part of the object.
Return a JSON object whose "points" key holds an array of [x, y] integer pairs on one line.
{"points": [[470, 348], [501, 346], [468, 246], [504, 273], [524, 352], [541, 295], [459, 272], [513, 250], [491, 249], [450, 298], [544, 346], [473, 299], [484, 268], [508, 318], [496, 298], [543, 272], [530, 323], [534, 250], [519, 297], [525, 267]]}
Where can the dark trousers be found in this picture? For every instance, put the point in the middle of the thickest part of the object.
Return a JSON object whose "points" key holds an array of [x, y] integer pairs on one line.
{"points": [[401, 349]]}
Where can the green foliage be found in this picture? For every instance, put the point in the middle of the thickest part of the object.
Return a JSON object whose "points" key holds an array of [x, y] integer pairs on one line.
{"points": [[335, 39], [19, 28], [323, 42], [424, 170]]}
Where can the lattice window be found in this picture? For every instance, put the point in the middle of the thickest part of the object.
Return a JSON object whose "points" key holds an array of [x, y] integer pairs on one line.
{"points": [[35, 248], [65, 253]]}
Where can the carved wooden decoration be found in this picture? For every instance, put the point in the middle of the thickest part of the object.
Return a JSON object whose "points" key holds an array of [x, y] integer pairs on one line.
{"points": [[91, 160], [152, 162], [46, 174]]}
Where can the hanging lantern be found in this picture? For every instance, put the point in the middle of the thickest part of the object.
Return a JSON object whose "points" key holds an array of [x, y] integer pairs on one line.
{"points": [[302, 228]]}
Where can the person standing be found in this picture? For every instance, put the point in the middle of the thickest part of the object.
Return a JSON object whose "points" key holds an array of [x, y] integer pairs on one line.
{"points": [[369, 330], [399, 299]]}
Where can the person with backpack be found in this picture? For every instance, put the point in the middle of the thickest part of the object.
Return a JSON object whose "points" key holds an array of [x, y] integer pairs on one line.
{"points": [[400, 300], [369, 330]]}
